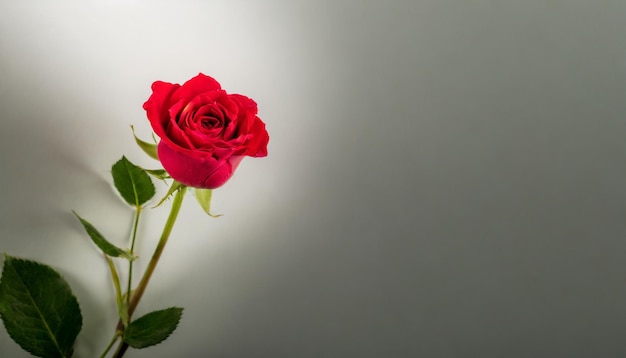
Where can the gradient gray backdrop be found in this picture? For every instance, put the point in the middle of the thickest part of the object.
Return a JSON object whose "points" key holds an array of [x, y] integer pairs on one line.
{"points": [[444, 179]]}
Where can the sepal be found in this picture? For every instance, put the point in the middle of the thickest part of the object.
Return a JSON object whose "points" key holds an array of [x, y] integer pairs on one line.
{"points": [[160, 174], [203, 196], [149, 148], [175, 186]]}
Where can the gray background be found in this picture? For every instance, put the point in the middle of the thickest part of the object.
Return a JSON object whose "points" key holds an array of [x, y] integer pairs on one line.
{"points": [[444, 179]]}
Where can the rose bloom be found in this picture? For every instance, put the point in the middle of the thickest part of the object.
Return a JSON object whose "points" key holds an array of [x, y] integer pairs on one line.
{"points": [[205, 132]]}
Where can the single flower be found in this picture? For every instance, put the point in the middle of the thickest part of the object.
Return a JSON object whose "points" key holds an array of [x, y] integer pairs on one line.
{"points": [[204, 131]]}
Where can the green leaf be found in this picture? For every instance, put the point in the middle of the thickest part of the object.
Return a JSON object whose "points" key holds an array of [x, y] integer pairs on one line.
{"points": [[204, 199], [132, 182], [148, 148], [104, 245], [152, 328], [38, 308], [175, 186]]}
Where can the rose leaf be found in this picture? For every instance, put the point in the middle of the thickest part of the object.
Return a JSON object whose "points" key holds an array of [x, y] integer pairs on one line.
{"points": [[38, 308], [132, 182], [104, 245], [152, 328]]}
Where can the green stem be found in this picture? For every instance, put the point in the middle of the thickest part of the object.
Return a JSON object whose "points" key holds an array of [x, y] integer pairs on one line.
{"points": [[115, 337], [138, 293], [169, 224], [132, 253]]}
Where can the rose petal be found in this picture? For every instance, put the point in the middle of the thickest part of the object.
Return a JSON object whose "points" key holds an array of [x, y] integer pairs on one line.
{"points": [[247, 111], [198, 172], [157, 105], [257, 146], [229, 106], [175, 133], [221, 175], [195, 86]]}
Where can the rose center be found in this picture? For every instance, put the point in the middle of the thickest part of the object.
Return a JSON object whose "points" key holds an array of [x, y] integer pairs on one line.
{"points": [[209, 122]]}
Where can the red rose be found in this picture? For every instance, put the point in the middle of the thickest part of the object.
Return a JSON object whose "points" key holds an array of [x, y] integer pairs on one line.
{"points": [[205, 132]]}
